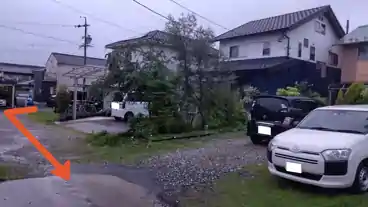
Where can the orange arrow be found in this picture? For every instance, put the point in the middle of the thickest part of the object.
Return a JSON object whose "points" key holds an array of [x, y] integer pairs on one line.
{"points": [[63, 171]]}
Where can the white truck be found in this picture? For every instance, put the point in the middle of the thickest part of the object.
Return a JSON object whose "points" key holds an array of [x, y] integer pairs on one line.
{"points": [[128, 106]]}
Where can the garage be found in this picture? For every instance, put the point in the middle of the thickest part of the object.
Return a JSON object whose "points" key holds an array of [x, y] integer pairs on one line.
{"points": [[7, 92]]}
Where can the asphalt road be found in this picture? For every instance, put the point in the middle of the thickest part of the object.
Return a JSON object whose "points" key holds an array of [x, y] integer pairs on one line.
{"points": [[91, 181]]}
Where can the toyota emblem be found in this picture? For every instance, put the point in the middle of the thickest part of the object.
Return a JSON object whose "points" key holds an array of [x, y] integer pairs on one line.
{"points": [[295, 149]]}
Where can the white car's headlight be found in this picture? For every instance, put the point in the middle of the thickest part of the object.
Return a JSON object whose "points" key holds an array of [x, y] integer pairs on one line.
{"points": [[271, 146], [336, 154]]}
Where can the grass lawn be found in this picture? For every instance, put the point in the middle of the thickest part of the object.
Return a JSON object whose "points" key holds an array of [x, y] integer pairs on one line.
{"points": [[8, 172], [262, 190], [128, 152], [44, 117]]}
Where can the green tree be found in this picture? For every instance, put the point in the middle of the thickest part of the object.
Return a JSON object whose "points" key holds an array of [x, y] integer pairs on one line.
{"points": [[199, 65]]}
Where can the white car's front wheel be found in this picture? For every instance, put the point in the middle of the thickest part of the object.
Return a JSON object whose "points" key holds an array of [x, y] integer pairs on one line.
{"points": [[360, 184]]}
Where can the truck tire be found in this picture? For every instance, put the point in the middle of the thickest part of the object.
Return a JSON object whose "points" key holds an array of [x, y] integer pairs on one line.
{"points": [[128, 116], [117, 118], [256, 139]]}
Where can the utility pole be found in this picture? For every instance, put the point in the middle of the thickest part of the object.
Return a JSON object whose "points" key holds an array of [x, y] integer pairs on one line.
{"points": [[86, 43], [87, 38]]}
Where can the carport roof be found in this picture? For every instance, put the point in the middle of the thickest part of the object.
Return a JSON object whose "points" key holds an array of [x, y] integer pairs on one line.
{"points": [[85, 72], [255, 64], [18, 68], [7, 82]]}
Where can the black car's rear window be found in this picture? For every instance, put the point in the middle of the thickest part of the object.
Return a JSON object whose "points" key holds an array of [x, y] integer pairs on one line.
{"points": [[305, 105], [271, 103]]}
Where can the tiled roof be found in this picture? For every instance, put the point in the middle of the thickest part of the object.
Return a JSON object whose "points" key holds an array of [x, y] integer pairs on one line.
{"points": [[76, 60], [359, 35], [18, 68], [281, 22], [155, 35], [158, 36]]}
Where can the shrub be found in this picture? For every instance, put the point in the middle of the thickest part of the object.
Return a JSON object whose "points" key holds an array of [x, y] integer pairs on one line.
{"points": [[353, 93], [62, 99], [229, 110], [340, 97], [364, 96], [104, 139], [288, 91]]}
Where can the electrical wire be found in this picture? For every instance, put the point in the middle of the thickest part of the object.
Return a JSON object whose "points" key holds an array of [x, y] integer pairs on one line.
{"points": [[94, 17], [195, 13], [39, 24], [153, 11], [38, 35]]}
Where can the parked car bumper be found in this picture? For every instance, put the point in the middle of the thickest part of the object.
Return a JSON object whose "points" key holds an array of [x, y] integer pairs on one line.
{"points": [[275, 128], [326, 181]]}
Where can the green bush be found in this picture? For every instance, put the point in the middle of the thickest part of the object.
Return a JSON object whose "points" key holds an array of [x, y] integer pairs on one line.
{"points": [[364, 96], [62, 99], [146, 127], [340, 97], [353, 94], [288, 91], [229, 110], [103, 139]]}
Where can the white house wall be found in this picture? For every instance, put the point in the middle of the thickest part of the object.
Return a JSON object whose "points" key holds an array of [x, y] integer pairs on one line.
{"points": [[251, 47], [322, 43], [167, 54]]}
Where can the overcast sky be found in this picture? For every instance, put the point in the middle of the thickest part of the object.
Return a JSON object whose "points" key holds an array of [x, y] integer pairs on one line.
{"points": [[113, 20]]}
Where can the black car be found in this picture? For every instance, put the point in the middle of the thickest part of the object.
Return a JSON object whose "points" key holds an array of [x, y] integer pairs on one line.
{"points": [[50, 102], [271, 115]]}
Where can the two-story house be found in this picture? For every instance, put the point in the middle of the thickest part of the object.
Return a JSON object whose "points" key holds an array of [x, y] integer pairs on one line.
{"points": [[64, 67], [277, 51], [354, 51], [159, 42], [155, 41]]}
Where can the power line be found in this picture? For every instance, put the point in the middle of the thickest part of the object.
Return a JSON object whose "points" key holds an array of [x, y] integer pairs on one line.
{"points": [[153, 11], [94, 17], [38, 35], [203, 17], [40, 24]]}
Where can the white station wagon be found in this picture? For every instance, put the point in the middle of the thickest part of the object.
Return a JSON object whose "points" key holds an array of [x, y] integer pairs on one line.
{"points": [[328, 148]]}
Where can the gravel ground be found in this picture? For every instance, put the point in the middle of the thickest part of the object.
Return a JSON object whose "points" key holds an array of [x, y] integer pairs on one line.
{"points": [[183, 169]]}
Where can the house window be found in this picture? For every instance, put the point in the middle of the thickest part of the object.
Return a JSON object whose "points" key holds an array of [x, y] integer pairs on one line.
{"points": [[266, 49], [320, 18], [334, 58], [320, 27], [234, 52], [306, 42], [312, 55], [363, 52], [300, 49]]}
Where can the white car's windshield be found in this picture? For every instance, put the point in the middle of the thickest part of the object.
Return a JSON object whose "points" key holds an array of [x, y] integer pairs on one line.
{"points": [[337, 120]]}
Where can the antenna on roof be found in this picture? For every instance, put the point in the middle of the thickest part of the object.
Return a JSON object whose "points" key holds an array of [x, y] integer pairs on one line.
{"points": [[347, 26]]}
